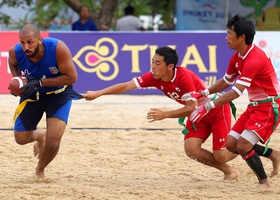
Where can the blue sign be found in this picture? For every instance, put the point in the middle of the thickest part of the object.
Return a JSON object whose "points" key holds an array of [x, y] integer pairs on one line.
{"points": [[106, 58]]}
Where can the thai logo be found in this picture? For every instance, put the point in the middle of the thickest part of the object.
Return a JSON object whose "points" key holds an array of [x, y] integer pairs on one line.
{"points": [[99, 59]]}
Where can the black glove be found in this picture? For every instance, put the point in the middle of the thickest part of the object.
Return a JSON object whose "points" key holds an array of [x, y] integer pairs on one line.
{"points": [[32, 85]]}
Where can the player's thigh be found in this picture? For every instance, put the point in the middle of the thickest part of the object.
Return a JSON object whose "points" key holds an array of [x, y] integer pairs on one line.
{"points": [[28, 115], [221, 127], [55, 129]]}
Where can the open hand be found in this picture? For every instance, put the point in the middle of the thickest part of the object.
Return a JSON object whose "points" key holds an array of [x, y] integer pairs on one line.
{"points": [[155, 114]]}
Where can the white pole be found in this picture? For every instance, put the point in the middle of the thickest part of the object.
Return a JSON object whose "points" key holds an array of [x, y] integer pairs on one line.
{"points": [[226, 12]]}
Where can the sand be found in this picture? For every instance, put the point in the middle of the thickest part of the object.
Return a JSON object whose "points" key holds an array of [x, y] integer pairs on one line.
{"points": [[109, 151]]}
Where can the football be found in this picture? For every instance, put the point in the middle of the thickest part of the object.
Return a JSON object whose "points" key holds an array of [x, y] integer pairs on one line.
{"points": [[16, 83]]}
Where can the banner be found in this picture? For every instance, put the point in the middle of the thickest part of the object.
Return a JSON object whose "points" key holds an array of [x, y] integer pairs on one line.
{"points": [[270, 43], [213, 14], [106, 58], [103, 59], [201, 15]]}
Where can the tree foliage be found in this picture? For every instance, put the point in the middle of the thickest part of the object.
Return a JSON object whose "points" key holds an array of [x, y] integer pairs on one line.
{"points": [[50, 13], [14, 4]]}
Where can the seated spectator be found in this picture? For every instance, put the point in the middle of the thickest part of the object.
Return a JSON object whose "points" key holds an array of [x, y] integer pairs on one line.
{"points": [[129, 22], [84, 23]]}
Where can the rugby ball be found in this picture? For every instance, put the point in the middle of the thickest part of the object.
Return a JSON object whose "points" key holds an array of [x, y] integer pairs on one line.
{"points": [[16, 83]]}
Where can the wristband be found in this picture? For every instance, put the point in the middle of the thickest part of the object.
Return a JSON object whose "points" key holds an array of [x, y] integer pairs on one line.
{"points": [[209, 105], [205, 92]]}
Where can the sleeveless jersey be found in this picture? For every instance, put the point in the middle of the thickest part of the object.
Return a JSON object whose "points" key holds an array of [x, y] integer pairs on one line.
{"points": [[46, 67]]}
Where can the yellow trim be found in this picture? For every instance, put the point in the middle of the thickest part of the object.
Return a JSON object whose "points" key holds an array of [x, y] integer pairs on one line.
{"points": [[57, 91], [20, 108]]}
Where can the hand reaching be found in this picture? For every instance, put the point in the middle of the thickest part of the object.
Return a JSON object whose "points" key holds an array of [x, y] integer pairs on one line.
{"points": [[91, 95], [155, 114], [195, 95], [201, 111]]}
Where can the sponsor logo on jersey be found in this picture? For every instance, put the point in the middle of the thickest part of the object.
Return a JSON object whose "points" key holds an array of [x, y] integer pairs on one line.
{"points": [[222, 140], [257, 125], [245, 78], [177, 89]]}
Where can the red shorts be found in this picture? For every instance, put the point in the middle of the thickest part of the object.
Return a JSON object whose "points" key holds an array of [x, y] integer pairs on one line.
{"points": [[259, 119], [217, 122]]}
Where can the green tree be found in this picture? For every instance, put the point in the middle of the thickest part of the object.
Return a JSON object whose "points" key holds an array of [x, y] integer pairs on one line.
{"points": [[14, 4], [103, 12]]}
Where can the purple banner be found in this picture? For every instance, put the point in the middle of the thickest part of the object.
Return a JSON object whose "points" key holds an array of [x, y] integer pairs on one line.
{"points": [[106, 58]]}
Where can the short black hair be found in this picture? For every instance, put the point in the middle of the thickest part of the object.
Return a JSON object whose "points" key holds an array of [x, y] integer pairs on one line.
{"points": [[129, 10], [241, 25], [81, 7], [170, 55]]}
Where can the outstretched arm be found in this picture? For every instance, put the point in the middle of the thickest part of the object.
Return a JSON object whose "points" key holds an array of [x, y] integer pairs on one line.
{"points": [[219, 86], [114, 89], [156, 114], [202, 110]]}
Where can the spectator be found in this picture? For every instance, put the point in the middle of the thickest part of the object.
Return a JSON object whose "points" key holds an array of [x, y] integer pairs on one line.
{"points": [[84, 23], [129, 22]]}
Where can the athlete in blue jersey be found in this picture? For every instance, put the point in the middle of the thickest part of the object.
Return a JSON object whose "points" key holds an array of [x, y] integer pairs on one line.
{"points": [[48, 65]]}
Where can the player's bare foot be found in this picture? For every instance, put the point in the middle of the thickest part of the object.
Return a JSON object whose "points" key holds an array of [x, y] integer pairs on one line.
{"points": [[275, 158], [40, 174], [233, 174], [262, 187], [39, 145]]}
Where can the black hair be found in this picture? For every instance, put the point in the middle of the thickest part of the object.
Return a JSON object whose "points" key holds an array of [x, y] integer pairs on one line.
{"points": [[129, 10], [241, 25], [81, 7], [170, 55]]}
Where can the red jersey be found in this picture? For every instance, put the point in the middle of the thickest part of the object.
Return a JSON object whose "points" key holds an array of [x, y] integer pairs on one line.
{"points": [[217, 121], [184, 81], [255, 71]]}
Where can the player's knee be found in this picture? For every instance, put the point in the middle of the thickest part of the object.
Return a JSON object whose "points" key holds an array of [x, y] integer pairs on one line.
{"points": [[190, 151], [22, 137], [52, 145], [221, 156], [231, 145], [20, 141]]}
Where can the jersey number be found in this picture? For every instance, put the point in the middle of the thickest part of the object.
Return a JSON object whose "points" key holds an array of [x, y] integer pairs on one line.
{"points": [[173, 95]]}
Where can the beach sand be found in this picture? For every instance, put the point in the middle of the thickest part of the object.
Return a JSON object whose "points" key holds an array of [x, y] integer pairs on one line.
{"points": [[109, 151]]}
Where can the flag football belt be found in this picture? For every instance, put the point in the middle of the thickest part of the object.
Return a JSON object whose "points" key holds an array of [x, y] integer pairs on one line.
{"points": [[51, 92], [58, 91], [275, 110], [274, 105], [213, 97], [23, 104]]}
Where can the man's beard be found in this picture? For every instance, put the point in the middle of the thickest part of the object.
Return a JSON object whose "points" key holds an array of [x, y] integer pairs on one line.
{"points": [[34, 53]]}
